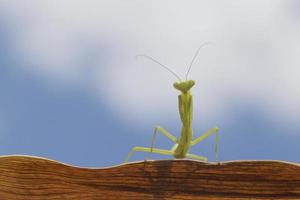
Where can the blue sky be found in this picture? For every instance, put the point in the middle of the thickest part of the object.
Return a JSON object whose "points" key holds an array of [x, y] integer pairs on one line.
{"points": [[72, 91]]}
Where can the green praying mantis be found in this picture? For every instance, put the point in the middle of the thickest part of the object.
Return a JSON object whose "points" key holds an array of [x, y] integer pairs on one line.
{"points": [[185, 101]]}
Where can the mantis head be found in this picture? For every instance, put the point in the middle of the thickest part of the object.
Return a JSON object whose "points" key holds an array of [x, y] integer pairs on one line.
{"points": [[184, 86]]}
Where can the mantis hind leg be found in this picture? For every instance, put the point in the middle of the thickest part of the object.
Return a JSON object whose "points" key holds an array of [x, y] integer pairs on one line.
{"points": [[159, 129], [193, 156], [205, 135], [151, 150]]}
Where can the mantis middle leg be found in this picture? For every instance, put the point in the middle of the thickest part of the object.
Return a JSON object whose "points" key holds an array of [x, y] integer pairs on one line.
{"points": [[205, 135], [159, 129]]}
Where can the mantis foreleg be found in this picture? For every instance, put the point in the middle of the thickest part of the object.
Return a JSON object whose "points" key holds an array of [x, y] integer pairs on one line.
{"points": [[205, 135]]}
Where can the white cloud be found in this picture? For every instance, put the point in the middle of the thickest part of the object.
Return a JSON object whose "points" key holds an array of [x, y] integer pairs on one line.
{"points": [[255, 56]]}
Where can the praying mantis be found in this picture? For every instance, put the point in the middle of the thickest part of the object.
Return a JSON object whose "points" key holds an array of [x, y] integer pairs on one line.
{"points": [[185, 101]]}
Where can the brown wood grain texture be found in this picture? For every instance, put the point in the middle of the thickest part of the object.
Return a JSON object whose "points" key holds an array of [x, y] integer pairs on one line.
{"points": [[27, 177]]}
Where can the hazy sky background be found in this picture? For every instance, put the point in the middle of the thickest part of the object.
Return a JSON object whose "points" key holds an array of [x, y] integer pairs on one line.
{"points": [[72, 90]]}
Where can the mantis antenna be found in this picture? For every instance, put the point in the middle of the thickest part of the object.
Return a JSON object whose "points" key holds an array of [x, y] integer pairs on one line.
{"points": [[150, 58], [195, 56]]}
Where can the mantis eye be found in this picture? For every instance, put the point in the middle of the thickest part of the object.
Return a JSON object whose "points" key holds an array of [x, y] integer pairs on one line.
{"points": [[191, 83], [177, 86]]}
